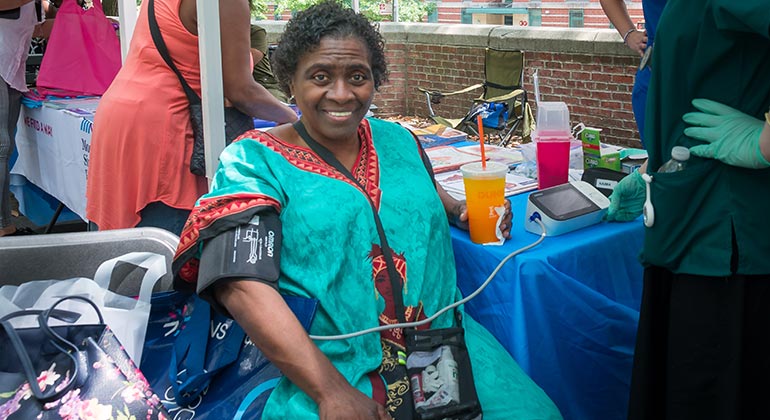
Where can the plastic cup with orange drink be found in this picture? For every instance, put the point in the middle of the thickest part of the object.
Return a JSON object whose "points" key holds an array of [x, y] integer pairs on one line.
{"points": [[484, 194]]}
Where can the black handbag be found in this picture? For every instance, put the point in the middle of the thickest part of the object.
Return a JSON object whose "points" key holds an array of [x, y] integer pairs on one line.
{"points": [[236, 122], [438, 354], [70, 371]]}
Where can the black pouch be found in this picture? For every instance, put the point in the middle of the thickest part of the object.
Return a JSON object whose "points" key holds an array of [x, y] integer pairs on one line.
{"points": [[198, 157], [236, 123], [440, 374]]}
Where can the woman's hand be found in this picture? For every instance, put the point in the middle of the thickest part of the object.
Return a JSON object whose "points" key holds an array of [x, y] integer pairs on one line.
{"points": [[461, 220], [351, 404], [637, 41], [727, 134], [627, 198], [459, 215], [505, 225]]}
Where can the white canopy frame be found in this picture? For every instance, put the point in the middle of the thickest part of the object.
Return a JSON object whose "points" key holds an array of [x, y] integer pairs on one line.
{"points": [[127, 14], [213, 94]]}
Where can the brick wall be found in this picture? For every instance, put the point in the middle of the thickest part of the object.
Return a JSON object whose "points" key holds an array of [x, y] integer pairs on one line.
{"points": [[589, 69], [597, 90]]}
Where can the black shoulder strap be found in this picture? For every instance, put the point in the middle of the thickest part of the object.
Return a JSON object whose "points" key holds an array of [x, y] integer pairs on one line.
{"points": [[157, 38], [329, 158]]}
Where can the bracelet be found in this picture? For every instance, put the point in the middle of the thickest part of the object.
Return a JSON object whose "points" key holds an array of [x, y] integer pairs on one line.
{"points": [[628, 32]]}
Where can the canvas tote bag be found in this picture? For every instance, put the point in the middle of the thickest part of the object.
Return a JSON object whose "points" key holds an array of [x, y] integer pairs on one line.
{"points": [[83, 52]]}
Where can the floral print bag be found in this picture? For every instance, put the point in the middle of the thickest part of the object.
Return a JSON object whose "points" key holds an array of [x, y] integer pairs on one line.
{"points": [[70, 372]]}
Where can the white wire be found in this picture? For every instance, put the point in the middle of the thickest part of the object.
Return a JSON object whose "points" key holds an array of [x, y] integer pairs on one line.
{"points": [[444, 309]]}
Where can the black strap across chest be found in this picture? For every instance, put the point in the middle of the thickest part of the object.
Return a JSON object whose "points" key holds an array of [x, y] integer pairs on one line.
{"points": [[329, 158]]}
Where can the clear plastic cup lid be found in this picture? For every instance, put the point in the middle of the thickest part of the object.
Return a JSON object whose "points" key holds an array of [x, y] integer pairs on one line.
{"points": [[476, 170]]}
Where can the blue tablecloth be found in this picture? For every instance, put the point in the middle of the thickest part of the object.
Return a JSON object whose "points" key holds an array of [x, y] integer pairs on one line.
{"points": [[567, 310]]}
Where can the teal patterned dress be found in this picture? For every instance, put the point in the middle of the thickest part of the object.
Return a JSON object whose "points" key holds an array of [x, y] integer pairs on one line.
{"points": [[331, 252]]}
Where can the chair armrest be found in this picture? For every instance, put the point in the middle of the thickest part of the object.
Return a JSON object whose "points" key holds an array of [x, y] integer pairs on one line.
{"points": [[503, 98], [457, 92]]}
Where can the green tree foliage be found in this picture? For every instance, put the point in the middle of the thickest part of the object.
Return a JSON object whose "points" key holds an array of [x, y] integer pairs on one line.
{"points": [[409, 10], [258, 9], [415, 10]]}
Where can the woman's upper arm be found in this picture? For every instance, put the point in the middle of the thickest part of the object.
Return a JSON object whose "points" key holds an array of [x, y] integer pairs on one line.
{"points": [[234, 20]]}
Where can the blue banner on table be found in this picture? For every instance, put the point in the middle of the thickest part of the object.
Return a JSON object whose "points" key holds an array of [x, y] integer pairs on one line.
{"points": [[185, 336]]}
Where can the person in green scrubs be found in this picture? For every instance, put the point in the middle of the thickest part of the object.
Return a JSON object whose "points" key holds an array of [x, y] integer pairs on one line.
{"points": [[263, 72], [703, 342]]}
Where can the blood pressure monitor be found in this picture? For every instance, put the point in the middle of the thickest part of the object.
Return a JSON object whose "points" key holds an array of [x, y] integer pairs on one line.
{"points": [[565, 208]]}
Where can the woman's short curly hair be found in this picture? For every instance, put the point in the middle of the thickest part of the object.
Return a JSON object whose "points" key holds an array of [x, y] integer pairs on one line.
{"points": [[303, 34]]}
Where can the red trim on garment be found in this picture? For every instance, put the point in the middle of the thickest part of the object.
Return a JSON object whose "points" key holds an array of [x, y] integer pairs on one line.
{"points": [[378, 388], [366, 170]]}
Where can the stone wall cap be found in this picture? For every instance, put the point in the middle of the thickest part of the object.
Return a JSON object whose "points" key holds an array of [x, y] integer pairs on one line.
{"points": [[565, 40]]}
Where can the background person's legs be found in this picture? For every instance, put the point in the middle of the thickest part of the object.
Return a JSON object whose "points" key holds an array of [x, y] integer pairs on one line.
{"points": [[162, 216], [639, 99], [10, 106]]}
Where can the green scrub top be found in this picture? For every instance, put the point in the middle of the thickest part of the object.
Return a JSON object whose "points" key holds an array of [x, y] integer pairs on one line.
{"points": [[263, 72], [718, 50]]}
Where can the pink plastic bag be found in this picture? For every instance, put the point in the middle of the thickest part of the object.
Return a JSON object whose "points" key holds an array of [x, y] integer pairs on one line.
{"points": [[83, 52]]}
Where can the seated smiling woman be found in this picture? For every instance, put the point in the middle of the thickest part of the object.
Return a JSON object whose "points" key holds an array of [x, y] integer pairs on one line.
{"points": [[322, 240]]}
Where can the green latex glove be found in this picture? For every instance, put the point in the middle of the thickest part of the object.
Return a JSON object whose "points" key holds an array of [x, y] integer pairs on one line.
{"points": [[730, 135], [627, 199]]}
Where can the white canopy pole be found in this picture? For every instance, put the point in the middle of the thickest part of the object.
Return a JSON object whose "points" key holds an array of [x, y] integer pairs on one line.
{"points": [[209, 44], [127, 15], [395, 11], [356, 6]]}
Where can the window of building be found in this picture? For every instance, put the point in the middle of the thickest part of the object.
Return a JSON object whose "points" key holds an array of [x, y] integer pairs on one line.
{"points": [[535, 17], [466, 17], [508, 20], [576, 18]]}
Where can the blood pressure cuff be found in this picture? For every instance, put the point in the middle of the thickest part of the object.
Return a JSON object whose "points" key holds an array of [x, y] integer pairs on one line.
{"points": [[248, 251]]}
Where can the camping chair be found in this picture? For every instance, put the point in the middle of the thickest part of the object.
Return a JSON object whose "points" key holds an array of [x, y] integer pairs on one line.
{"points": [[503, 103]]}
